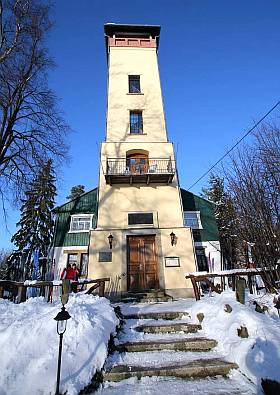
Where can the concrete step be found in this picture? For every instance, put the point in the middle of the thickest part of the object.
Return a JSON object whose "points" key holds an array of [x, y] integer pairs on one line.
{"points": [[193, 369], [172, 315], [187, 344], [168, 328]]}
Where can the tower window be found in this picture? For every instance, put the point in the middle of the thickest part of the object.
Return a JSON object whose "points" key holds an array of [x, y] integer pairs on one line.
{"points": [[134, 84], [136, 122]]}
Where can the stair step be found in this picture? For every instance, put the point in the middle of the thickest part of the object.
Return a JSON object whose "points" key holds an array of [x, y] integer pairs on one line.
{"points": [[193, 369], [154, 299], [156, 315], [168, 328], [187, 344]]}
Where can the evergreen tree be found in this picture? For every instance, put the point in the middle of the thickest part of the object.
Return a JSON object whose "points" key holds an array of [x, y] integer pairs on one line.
{"points": [[36, 225], [76, 191], [225, 216]]}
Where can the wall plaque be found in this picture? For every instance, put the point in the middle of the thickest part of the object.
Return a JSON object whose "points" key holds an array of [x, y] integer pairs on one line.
{"points": [[105, 256], [172, 261]]}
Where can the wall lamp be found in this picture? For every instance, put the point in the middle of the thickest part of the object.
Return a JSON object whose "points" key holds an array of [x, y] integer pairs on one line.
{"points": [[110, 238], [173, 238]]}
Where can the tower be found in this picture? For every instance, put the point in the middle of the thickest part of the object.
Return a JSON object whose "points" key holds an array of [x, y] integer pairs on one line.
{"points": [[140, 241]]}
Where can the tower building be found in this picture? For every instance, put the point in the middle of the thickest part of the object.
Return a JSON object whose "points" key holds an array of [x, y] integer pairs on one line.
{"points": [[140, 240]]}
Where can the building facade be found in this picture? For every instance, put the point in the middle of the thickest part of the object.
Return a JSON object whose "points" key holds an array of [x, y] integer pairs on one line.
{"points": [[139, 201], [138, 227]]}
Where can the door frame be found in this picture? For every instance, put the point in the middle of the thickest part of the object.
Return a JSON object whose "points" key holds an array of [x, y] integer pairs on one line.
{"points": [[127, 257]]}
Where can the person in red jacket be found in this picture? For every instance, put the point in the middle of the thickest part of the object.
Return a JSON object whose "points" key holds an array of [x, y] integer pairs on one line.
{"points": [[68, 273], [76, 275]]}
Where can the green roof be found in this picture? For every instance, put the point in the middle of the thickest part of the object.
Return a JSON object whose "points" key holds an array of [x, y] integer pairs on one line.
{"points": [[192, 202], [84, 204]]}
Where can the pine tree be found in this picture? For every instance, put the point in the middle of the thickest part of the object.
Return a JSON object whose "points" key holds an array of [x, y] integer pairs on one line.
{"points": [[36, 225], [225, 216], [76, 191]]}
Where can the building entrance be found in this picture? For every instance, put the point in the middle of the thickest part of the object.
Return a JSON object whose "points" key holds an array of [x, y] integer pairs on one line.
{"points": [[142, 267]]}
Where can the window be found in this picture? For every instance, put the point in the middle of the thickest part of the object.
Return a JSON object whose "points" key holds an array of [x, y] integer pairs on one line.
{"points": [[134, 84], [192, 219], [141, 219], [80, 223], [72, 258], [84, 264], [201, 259], [136, 122]]}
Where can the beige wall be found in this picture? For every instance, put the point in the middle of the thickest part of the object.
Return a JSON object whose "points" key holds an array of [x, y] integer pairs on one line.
{"points": [[170, 278], [116, 201], [134, 61]]}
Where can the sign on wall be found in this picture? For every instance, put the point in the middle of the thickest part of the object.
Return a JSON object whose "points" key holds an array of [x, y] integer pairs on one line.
{"points": [[172, 261], [105, 256]]}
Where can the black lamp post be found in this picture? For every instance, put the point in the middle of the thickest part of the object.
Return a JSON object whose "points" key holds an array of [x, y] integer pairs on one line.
{"points": [[61, 319], [110, 238], [172, 238]]}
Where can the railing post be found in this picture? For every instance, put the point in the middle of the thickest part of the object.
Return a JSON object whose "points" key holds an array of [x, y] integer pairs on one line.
{"points": [[101, 288]]}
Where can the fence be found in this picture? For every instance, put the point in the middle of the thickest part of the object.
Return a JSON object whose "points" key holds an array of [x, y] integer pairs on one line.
{"points": [[17, 291]]}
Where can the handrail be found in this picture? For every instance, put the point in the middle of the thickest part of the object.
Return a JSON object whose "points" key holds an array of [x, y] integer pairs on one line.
{"points": [[126, 166], [21, 287]]}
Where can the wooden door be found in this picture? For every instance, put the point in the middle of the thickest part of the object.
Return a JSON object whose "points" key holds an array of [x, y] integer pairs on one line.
{"points": [[142, 263], [137, 163]]}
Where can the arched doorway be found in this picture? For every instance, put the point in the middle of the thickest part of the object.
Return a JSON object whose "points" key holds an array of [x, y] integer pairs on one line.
{"points": [[137, 161]]}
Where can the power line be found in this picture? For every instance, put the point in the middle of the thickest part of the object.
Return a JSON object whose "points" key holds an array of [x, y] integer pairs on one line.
{"points": [[235, 145]]}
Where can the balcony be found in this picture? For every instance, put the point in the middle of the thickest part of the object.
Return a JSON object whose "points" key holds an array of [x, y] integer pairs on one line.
{"points": [[139, 171]]}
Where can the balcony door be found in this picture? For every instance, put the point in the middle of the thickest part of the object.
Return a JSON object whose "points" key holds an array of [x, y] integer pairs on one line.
{"points": [[142, 263], [137, 163]]}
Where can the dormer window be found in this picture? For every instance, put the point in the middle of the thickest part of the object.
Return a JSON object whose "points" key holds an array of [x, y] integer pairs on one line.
{"points": [[81, 223], [134, 84], [192, 219]]}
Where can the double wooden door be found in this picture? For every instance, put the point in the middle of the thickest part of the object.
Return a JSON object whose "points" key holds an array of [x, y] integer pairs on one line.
{"points": [[142, 263]]}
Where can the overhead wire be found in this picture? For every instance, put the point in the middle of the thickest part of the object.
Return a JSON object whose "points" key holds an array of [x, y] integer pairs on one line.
{"points": [[236, 144]]}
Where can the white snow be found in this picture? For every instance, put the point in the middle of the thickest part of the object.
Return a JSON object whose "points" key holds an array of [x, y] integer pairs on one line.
{"points": [[258, 356], [29, 344], [235, 385], [224, 272]]}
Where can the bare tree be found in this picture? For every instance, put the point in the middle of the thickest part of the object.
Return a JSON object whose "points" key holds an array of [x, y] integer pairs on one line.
{"points": [[32, 129], [253, 181]]}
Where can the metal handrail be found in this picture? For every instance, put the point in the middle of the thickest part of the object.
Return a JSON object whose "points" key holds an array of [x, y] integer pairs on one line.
{"points": [[126, 166]]}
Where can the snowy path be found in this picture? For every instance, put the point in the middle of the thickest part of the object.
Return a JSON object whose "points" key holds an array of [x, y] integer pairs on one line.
{"points": [[235, 384]]}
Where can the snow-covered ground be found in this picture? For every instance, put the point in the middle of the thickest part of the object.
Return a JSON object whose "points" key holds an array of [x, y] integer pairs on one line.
{"points": [[29, 344], [235, 385], [258, 356]]}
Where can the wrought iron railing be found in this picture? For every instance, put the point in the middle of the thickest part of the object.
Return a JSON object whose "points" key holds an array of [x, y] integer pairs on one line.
{"points": [[136, 166]]}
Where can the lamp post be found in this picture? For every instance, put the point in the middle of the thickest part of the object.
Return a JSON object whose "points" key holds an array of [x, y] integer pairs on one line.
{"points": [[61, 320]]}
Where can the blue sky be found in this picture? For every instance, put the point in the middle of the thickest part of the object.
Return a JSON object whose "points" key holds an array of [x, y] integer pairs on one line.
{"points": [[219, 64]]}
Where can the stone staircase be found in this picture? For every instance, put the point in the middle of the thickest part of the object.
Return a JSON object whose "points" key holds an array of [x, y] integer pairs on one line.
{"points": [[146, 297], [162, 343]]}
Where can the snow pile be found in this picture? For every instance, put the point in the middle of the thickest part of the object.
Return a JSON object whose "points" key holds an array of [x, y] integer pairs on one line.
{"points": [[258, 356], [29, 344]]}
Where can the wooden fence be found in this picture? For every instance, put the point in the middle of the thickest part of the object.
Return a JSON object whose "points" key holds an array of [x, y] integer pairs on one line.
{"points": [[270, 278], [18, 290]]}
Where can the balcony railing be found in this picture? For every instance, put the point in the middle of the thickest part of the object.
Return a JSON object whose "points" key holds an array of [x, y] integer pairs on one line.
{"points": [[139, 171]]}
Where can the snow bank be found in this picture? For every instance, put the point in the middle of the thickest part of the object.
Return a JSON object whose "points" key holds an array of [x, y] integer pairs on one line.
{"points": [[29, 344], [257, 356]]}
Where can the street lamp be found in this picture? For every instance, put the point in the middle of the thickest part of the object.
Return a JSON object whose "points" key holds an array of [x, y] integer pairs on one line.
{"points": [[61, 320]]}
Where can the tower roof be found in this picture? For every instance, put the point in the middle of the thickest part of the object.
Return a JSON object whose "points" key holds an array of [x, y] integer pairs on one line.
{"points": [[128, 30]]}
